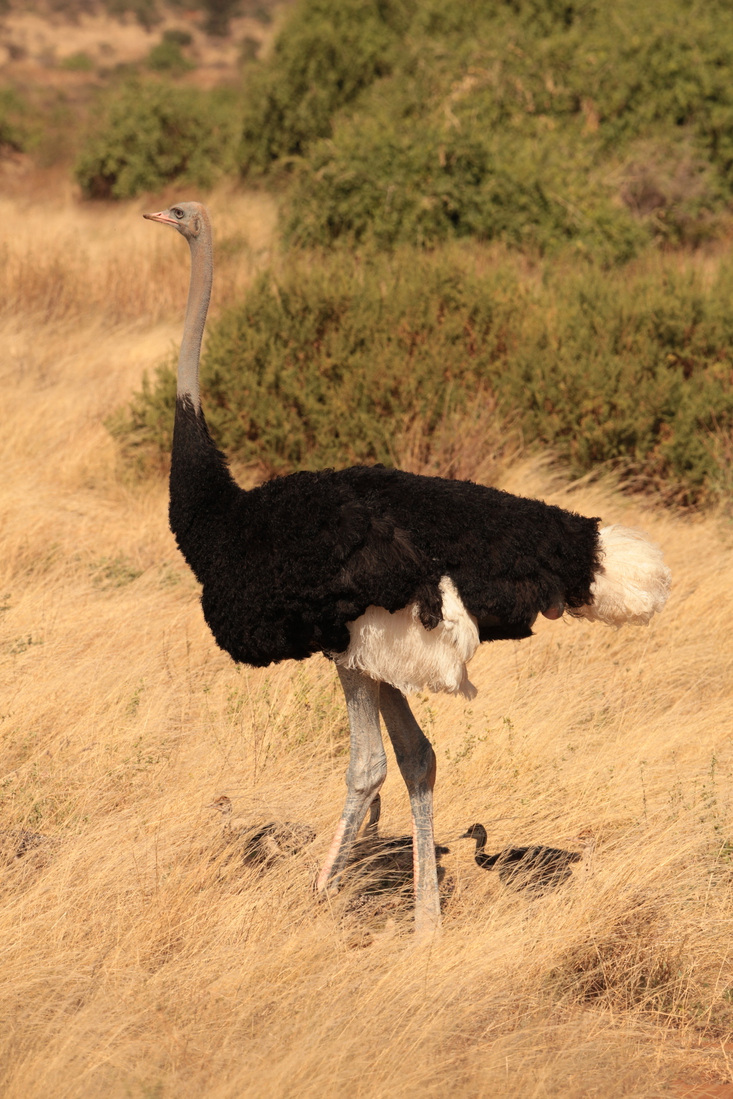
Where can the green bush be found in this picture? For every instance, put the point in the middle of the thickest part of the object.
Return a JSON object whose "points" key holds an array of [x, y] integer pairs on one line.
{"points": [[420, 186], [327, 53], [151, 132], [15, 131], [529, 120], [335, 360], [168, 57]]}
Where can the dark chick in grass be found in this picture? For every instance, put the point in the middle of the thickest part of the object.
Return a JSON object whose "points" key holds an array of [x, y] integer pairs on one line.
{"points": [[537, 868]]}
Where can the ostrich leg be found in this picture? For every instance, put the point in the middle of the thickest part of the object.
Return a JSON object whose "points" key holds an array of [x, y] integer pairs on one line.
{"points": [[366, 772], [416, 761]]}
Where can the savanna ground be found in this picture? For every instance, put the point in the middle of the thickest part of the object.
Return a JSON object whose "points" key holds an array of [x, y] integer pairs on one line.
{"points": [[136, 960]]}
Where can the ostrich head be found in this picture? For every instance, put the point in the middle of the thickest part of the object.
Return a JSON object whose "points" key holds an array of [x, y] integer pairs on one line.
{"points": [[223, 804], [476, 832], [187, 217]]}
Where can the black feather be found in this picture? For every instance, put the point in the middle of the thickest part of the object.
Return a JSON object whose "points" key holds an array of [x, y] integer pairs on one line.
{"points": [[285, 566]]}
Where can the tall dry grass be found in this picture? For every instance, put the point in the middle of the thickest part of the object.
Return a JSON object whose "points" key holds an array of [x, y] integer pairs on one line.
{"points": [[137, 962]]}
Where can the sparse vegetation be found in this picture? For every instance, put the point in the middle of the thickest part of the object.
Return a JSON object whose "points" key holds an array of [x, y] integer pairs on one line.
{"points": [[147, 12]]}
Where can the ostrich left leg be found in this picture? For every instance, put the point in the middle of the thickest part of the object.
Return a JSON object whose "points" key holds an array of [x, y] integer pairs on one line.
{"points": [[416, 761], [366, 773]]}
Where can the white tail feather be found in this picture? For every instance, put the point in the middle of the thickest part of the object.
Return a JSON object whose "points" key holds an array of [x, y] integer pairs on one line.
{"points": [[633, 582]]}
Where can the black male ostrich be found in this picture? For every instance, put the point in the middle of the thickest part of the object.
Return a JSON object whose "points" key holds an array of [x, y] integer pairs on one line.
{"points": [[396, 577]]}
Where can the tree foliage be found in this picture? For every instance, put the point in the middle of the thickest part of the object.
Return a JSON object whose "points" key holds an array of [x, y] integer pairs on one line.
{"points": [[326, 54], [537, 121], [332, 362], [151, 132]]}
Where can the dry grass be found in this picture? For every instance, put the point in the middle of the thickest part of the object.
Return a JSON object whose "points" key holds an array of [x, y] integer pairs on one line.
{"points": [[136, 962], [70, 263]]}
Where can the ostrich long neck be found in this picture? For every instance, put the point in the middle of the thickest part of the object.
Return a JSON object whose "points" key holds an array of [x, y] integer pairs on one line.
{"points": [[201, 486], [199, 293]]}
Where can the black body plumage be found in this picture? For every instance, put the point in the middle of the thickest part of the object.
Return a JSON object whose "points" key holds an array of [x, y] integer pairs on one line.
{"points": [[536, 869], [535, 858], [285, 566]]}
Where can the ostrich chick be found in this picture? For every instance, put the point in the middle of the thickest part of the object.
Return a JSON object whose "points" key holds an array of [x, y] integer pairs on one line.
{"points": [[17, 844], [538, 869], [262, 844]]}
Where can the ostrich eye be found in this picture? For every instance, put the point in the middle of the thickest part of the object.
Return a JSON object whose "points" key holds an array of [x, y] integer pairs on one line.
{"points": [[178, 213]]}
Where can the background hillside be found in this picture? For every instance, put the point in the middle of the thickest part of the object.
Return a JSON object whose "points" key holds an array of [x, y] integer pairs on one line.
{"points": [[523, 204]]}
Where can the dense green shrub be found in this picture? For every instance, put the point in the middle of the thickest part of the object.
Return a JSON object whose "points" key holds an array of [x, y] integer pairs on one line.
{"points": [[537, 121], [327, 53], [420, 186], [15, 130], [335, 360], [151, 132]]}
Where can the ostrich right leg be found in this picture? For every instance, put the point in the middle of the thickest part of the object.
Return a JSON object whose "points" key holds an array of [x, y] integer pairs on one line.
{"points": [[365, 775], [416, 761]]}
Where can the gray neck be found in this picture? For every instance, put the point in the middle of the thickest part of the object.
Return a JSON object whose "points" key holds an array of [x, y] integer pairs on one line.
{"points": [[199, 292]]}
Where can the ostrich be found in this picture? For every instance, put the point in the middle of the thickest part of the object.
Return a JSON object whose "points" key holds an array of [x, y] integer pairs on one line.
{"points": [[537, 869], [262, 844], [17, 844], [396, 577]]}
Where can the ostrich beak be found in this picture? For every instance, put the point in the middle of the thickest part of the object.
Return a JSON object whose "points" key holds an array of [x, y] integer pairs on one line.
{"points": [[163, 217]]}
